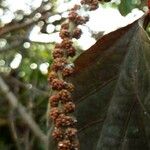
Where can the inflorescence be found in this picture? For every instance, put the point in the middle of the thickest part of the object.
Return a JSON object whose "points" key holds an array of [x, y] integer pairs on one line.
{"points": [[60, 102]]}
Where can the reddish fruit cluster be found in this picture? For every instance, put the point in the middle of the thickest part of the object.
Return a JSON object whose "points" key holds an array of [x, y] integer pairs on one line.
{"points": [[58, 53], [59, 64], [77, 19], [65, 121], [58, 134], [64, 145], [64, 33], [51, 76], [57, 84], [54, 100], [54, 113], [69, 107], [68, 145], [71, 132], [77, 33], [61, 104], [65, 96]]}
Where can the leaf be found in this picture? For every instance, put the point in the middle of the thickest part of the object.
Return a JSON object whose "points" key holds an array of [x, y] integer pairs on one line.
{"points": [[112, 81], [126, 6]]}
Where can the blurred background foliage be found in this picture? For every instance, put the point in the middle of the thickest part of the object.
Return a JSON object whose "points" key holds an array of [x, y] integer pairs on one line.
{"points": [[27, 37]]}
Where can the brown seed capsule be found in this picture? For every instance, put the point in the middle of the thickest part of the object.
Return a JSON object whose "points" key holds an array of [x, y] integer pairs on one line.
{"points": [[69, 87], [58, 53], [76, 7], [64, 145], [51, 76], [71, 51], [54, 113], [59, 64], [69, 107], [58, 134], [67, 71], [66, 43], [54, 100], [64, 33], [57, 84], [65, 96], [77, 33], [83, 2], [71, 132], [65, 25], [80, 20], [72, 15], [64, 121], [57, 45]]}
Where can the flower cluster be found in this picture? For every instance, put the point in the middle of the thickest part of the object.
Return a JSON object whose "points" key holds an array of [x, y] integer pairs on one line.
{"points": [[60, 102]]}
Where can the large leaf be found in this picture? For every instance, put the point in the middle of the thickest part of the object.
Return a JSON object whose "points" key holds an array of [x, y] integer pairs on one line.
{"points": [[126, 6], [112, 95]]}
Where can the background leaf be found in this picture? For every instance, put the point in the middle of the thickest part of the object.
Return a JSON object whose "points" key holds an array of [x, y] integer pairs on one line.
{"points": [[112, 87], [126, 6]]}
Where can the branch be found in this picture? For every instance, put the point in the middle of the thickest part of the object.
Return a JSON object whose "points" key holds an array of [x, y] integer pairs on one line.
{"points": [[17, 26], [21, 109], [27, 21], [14, 130], [26, 85], [12, 45]]}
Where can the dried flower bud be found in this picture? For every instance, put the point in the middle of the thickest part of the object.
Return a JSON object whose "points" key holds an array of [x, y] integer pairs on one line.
{"points": [[65, 25], [57, 45], [69, 107], [76, 7], [67, 71], [71, 51], [69, 87], [64, 145], [54, 100], [51, 76], [72, 15], [83, 2], [71, 132], [66, 43], [54, 113], [65, 96], [64, 121], [64, 33], [80, 20], [57, 84], [77, 33], [58, 134], [58, 53], [59, 64]]}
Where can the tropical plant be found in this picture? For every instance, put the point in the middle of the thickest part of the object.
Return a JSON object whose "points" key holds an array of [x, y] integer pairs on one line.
{"points": [[111, 84]]}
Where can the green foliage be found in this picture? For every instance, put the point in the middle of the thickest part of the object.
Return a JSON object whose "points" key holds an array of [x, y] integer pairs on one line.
{"points": [[126, 6]]}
